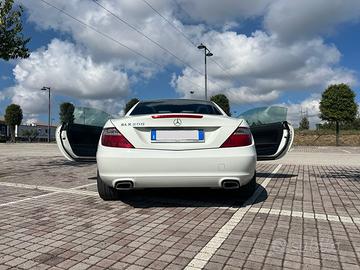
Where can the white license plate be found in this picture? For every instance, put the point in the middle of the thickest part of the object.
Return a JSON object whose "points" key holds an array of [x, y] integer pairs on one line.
{"points": [[196, 135]]}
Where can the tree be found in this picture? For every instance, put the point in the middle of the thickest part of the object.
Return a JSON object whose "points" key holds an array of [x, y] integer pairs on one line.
{"points": [[223, 102], [66, 113], [356, 123], [338, 106], [13, 117], [304, 123], [130, 104], [30, 134], [12, 42]]}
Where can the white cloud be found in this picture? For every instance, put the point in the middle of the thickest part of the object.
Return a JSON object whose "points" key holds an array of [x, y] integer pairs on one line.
{"points": [[259, 67], [31, 119], [288, 54], [293, 20], [309, 107], [290, 20], [217, 12], [68, 72], [136, 13], [245, 95], [30, 100]]}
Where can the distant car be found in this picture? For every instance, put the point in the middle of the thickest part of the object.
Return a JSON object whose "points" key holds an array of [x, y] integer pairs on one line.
{"points": [[172, 143]]}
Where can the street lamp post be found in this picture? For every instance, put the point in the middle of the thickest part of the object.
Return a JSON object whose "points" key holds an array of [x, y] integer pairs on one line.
{"points": [[46, 88], [207, 53]]}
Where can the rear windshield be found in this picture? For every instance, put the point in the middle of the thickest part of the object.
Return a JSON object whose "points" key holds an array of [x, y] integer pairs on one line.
{"points": [[175, 106]]}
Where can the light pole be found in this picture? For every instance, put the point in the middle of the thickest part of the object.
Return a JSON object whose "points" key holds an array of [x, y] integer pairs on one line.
{"points": [[46, 88], [206, 53]]}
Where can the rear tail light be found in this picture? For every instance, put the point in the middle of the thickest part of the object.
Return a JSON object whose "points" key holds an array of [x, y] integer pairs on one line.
{"points": [[113, 138], [241, 137]]}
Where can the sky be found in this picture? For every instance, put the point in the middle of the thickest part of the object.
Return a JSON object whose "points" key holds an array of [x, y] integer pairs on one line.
{"points": [[268, 52]]}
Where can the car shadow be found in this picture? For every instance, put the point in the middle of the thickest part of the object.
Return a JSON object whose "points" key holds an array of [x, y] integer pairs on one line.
{"points": [[276, 175], [52, 164], [348, 174], [60, 163], [188, 197]]}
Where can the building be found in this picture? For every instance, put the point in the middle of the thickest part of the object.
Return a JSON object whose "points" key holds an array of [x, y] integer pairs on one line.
{"points": [[38, 132]]}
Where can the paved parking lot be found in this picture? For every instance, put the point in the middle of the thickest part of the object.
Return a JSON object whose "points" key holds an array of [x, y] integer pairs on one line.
{"points": [[305, 214]]}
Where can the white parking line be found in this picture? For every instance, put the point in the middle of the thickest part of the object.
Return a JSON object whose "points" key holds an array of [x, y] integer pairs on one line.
{"points": [[52, 190], [27, 199], [201, 259], [72, 190], [88, 185], [346, 151], [310, 215]]}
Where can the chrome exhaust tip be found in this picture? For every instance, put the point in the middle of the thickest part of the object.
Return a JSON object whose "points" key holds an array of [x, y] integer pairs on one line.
{"points": [[124, 185], [230, 184]]}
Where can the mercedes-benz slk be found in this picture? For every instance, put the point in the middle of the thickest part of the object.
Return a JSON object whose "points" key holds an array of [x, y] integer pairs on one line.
{"points": [[172, 143]]}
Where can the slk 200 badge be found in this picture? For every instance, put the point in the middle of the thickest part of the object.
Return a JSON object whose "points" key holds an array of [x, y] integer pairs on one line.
{"points": [[132, 124]]}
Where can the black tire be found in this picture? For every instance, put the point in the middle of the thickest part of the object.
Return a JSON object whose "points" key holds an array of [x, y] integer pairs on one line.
{"points": [[249, 188], [105, 192]]}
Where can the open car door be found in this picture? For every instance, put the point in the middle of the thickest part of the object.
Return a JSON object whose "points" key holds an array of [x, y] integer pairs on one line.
{"points": [[78, 141], [273, 135]]}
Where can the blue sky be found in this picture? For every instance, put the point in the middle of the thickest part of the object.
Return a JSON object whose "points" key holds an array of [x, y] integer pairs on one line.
{"points": [[269, 57]]}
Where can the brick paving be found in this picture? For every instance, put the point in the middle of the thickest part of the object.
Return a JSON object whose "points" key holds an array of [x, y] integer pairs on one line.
{"points": [[46, 171], [292, 224], [10, 194], [272, 240]]}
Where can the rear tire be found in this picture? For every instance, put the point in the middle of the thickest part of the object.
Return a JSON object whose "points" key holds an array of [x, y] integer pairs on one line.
{"points": [[105, 192], [249, 188]]}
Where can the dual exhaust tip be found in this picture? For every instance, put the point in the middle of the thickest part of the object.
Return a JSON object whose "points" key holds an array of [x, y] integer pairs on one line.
{"points": [[127, 185], [124, 185], [230, 184]]}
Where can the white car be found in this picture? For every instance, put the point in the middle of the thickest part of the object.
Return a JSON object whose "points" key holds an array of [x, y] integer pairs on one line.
{"points": [[172, 143]]}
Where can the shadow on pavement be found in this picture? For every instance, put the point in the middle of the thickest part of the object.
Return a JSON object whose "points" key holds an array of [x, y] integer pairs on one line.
{"points": [[57, 163], [185, 197], [348, 174], [276, 175]]}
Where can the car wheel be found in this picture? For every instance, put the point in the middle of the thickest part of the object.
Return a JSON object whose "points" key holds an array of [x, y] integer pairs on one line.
{"points": [[105, 192], [249, 188]]}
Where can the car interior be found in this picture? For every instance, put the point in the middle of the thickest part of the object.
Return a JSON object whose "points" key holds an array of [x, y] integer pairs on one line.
{"points": [[267, 138]]}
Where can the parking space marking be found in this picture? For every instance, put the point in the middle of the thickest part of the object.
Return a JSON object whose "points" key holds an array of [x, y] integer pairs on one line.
{"points": [[346, 151], [204, 255], [84, 186], [310, 215], [52, 190], [30, 198]]}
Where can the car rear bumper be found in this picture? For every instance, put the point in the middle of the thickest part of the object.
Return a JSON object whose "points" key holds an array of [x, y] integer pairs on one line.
{"points": [[191, 168]]}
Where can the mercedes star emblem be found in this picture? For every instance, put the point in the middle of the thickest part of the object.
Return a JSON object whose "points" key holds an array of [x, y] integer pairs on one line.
{"points": [[177, 122]]}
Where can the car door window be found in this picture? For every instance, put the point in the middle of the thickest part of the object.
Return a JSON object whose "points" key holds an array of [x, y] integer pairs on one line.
{"points": [[265, 115], [90, 116]]}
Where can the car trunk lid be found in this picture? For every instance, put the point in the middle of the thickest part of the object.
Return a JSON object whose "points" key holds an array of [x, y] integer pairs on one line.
{"points": [[176, 131]]}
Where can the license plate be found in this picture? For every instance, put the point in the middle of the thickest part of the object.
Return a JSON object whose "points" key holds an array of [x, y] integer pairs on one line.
{"points": [[177, 135]]}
